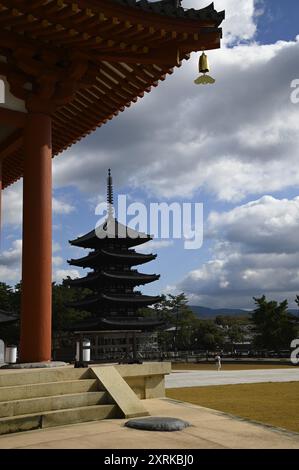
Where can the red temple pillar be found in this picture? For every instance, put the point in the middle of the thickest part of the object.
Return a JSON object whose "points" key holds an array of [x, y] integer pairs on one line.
{"points": [[36, 305]]}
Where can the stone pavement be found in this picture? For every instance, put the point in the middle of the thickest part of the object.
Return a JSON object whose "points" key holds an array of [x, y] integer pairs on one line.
{"points": [[201, 378], [210, 430]]}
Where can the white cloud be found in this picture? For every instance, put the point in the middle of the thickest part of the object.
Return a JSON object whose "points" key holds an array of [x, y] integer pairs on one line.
{"points": [[268, 225], [13, 205], [10, 262], [256, 252], [61, 274], [57, 260], [9, 275], [153, 245], [239, 17], [55, 247], [13, 254], [236, 138], [61, 207]]}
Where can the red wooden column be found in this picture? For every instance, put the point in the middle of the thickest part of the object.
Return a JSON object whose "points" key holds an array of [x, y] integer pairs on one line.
{"points": [[36, 308]]}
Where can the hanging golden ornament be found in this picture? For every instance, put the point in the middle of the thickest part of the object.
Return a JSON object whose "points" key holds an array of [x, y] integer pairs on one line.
{"points": [[203, 67]]}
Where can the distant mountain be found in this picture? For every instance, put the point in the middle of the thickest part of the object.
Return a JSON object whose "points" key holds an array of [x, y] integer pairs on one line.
{"points": [[206, 312]]}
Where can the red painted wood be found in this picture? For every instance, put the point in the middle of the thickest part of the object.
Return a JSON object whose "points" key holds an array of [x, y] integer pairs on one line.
{"points": [[37, 241]]}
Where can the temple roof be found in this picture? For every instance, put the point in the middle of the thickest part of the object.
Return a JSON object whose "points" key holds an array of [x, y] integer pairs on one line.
{"points": [[104, 323], [130, 257], [111, 229], [133, 276], [101, 55], [173, 8], [129, 299], [140, 299]]}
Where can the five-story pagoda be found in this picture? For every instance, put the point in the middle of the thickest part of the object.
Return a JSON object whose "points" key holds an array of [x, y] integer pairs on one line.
{"points": [[114, 303]]}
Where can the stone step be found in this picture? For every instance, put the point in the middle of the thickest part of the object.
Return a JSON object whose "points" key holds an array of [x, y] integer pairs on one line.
{"points": [[9, 378], [56, 402], [36, 390], [57, 418], [120, 392]]}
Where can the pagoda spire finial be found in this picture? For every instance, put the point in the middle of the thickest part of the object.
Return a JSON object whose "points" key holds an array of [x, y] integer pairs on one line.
{"points": [[109, 194]]}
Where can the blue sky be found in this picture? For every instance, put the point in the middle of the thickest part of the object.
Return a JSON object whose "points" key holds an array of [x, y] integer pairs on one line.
{"points": [[278, 21], [232, 147]]}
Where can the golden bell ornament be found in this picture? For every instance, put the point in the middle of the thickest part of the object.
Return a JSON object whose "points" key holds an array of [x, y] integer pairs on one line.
{"points": [[203, 67]]}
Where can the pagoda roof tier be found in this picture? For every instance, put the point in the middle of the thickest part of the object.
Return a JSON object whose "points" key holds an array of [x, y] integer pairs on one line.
{"points": [[117, 323], [93, 58], [106, 298], [96, 258], [131, 299], [133, 277], [111, 229]]}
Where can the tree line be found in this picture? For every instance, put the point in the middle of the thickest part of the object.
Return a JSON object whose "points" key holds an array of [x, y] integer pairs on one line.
{"points": [[270, 324]]}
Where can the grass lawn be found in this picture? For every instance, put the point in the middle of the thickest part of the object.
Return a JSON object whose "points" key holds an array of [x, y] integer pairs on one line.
{"points": [[270, 403], [212, 366]]}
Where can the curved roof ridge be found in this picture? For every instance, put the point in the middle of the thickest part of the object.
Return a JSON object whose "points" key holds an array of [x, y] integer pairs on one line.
{"points": [[175, 8]]}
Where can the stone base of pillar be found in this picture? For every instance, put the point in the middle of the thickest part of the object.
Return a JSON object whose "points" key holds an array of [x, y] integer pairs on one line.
{"points": [[35, 365]]}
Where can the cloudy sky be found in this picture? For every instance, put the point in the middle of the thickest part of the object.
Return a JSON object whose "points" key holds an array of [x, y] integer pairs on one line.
{"points": [[233, 146]]}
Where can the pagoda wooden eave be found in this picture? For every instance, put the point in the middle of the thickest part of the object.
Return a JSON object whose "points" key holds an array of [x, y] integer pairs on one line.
{"points": [[93, 58], [101, 236], [93, 302], [130, 257], [132, 277], [97, 325], [131, 299]]}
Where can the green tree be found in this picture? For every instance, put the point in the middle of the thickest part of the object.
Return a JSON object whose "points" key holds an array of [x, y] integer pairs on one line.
{"points": [[9, 332], [63, 316], [275, 327], [235, 333], [234, 327], [183, 320], [6, 297], [178, 318], [16, 298], [208, 335]]}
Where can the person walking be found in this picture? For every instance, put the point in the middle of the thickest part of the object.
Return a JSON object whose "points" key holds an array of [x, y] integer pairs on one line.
{"points": [[218, 362]]}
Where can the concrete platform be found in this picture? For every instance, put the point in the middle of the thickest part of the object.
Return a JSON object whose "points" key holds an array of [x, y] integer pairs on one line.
{"points": [[210, 430], [43, 397], [202, 378]]}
